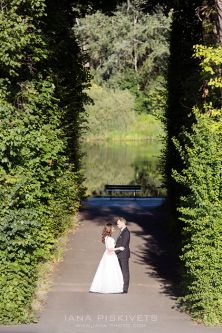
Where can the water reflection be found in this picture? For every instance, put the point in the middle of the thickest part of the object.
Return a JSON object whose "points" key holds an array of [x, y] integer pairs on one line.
{"points": [[122, 163]]}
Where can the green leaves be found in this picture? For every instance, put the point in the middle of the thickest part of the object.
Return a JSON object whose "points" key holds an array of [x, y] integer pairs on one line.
{"points": [[129, 50], [21, 41], [210, 62], [201, 210], [126, 40], [112, 110], [40, 103]]}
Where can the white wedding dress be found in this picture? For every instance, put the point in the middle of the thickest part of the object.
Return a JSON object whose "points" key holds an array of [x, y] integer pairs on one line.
{"points": [[108, 277]]}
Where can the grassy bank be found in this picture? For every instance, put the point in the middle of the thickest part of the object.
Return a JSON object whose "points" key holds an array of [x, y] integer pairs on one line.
{"points": [[144, 127], [112, 116]]}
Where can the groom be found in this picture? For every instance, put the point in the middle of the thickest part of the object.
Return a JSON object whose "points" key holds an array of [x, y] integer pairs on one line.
{"points": [[123, 256]]}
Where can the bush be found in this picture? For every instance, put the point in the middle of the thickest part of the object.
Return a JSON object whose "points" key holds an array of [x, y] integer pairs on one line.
{"points": [[201, 209], [39, 112], [112, 110], [201, 213]]}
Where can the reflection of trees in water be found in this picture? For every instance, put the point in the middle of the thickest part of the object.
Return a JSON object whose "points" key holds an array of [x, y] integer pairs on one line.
{"points": [[105, 164], [148, 175], [121, 163]]}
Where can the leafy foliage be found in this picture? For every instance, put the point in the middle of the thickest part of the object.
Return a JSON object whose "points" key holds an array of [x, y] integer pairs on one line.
{"points": [[193, 158], [39, 180], [128, 50], [200, 209], [112, 116], [183, 90], [112, 110]]}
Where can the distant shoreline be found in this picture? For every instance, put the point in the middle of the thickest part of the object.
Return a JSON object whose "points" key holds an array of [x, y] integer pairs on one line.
{"points": [[120, 138], [146, 127]]}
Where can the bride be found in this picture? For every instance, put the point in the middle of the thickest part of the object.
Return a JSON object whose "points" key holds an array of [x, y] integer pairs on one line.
{"points": [[108, 277]]}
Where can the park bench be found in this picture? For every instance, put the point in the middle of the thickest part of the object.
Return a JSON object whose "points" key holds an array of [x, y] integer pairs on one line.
{"points": [[122, 188]]}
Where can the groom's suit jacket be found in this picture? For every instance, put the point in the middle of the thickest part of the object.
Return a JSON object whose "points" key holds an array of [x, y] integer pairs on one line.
{"points": [[123, 240]]}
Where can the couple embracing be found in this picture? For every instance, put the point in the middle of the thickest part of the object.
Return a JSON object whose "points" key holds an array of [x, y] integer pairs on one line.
{"points": [[112, 275]]}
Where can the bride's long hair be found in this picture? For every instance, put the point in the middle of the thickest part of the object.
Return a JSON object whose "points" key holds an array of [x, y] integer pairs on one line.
{"points": [[107, 231]]}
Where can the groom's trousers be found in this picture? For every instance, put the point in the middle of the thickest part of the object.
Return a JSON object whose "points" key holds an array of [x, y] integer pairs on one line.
{"points": [[124, 264]]}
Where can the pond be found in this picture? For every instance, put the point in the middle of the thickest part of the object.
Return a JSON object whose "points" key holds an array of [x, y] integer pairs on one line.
{"points": [[131, 162]]}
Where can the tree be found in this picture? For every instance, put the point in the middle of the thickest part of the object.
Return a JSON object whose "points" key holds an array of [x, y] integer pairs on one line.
{"points": [[128, 49], [183, 92], [219, 21]]}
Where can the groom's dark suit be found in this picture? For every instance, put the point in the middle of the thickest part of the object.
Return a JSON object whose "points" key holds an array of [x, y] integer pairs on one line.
{"points": [[123, 256]]}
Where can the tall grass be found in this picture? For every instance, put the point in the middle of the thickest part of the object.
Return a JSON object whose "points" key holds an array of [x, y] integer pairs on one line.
{"points": [[145, 127], [112, 117]]}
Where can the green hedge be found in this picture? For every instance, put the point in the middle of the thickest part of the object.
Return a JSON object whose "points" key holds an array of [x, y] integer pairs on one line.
{"points": [[201, 208], [39, 117], [201, 213]]}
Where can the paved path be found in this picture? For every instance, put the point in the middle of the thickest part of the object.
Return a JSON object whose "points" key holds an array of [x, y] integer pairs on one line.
{"points": [[150, 304]]}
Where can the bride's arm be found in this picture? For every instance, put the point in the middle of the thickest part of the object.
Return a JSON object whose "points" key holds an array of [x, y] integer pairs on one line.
{"points": [[121, 248], [111, 250]]}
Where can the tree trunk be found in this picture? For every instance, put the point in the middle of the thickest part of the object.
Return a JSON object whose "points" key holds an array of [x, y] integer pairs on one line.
{"points": [[219, 20], [135, 43], [219, 30], [128, 5]]}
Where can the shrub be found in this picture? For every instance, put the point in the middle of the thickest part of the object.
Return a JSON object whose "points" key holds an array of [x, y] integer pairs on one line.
{"points": [[39, 180], [112, 110], [201, 209]]}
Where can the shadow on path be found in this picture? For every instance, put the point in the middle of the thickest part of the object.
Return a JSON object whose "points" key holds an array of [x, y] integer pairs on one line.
{"points": [[153, 286], [159, 253]]}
